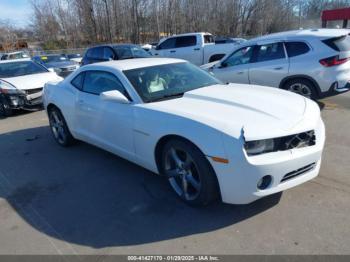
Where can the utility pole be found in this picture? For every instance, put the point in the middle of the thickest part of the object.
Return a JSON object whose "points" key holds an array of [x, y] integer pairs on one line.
{"points": [[299, 25], [108, 22]]}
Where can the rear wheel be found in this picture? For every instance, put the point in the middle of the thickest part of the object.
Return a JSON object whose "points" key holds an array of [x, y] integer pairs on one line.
{"points": [[302, 87], [189, 173], [59, 128]]}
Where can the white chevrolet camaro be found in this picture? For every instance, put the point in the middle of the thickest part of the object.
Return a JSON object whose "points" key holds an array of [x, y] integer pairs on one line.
{"points": [[210, 140]]}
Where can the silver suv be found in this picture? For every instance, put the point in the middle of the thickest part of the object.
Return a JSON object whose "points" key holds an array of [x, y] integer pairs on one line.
{"points": [[314, 63]]}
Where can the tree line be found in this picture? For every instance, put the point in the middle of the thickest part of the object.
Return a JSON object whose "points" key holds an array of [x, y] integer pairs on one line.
{"points": [[75, 23]]}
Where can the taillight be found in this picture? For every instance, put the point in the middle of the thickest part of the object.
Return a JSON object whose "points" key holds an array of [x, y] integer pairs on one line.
{"points": [[333, 61]]}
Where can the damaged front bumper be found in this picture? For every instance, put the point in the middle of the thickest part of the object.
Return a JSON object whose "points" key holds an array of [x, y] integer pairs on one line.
{"points": [[28, 99]]}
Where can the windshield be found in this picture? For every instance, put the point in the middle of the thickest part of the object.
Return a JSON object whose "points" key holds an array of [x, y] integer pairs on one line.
{"points": [[124, 52], [14, 69], [53, 58], [168, 81]]}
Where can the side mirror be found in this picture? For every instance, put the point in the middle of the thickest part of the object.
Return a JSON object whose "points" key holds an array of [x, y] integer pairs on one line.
{"points": [[114, 96], [157, 47]]}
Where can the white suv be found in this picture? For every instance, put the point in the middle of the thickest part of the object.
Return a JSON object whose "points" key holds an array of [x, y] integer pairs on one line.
{"points": [[314, 63]]}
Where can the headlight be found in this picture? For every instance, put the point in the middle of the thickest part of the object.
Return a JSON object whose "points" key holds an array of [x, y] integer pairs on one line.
{"points": [[58, 70], [7, 88], [259, 146]]}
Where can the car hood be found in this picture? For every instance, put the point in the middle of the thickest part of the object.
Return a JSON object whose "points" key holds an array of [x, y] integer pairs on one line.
{"points": [[60, 64], [259, 112], [32, 81]]}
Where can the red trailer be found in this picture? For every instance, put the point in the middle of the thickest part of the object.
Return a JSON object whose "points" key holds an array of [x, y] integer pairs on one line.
{"points": [[336, 14]]}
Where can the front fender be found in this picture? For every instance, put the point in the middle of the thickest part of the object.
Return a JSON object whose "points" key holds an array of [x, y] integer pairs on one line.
{"points": [[150, 127]]}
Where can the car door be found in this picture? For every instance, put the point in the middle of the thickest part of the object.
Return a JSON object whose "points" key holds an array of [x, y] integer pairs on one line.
{"points": [[270, 64], [106, 124], [188, 48], [166, 48], [235, 68]]}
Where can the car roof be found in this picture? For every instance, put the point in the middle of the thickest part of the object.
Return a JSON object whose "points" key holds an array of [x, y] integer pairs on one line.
{"points": [[302, 34], [113, 45], [193, 33], [15, 60], [12, 53], [135, 63], [50, 55]]}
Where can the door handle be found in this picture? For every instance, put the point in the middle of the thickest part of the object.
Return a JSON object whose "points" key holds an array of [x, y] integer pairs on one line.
{"points": [[81, 102], [278, 68], [240, 73], [197, 49], [172, 51], [156, 54]]}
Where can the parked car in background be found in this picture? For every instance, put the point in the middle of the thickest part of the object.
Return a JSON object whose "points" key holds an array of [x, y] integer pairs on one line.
{"points": [[14, 55], [225, 40], [208, 139], [75, 57], [313, 63], [57, 63], [21, 85], [198, 48], [104, 53]]}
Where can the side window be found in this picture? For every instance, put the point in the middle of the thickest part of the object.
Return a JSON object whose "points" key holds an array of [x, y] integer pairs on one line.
{"points": [[209, 39], [97, 82], [270, 52], [108, 53], [184, 41], [97, 52], [89, 53], [168, 44], [296, 48], [78, 81], [240, 57]]}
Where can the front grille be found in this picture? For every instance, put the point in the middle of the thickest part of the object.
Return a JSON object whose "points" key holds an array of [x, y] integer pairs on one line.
{"points": [[298, 172], [300, 140], [33, 91], [68, 69]]}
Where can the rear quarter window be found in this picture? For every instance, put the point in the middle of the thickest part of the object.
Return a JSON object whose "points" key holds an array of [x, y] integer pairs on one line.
{"points": [[78, 81], [185, 41], [340, 43], [296, 48]]}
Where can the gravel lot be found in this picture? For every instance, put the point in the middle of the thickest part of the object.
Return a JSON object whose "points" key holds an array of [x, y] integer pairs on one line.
{"points": [[83, 200]]}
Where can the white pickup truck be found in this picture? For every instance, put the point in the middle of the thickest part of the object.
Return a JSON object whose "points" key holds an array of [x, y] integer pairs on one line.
{"points": [[198, 48]]}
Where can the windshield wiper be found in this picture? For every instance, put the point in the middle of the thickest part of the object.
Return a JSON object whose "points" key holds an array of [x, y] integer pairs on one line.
{"points": [[165, 97]]}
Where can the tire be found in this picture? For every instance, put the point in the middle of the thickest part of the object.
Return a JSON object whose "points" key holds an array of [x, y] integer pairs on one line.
{"points": [[189, 173], [59, 128], [5, 108], [302, 87]]}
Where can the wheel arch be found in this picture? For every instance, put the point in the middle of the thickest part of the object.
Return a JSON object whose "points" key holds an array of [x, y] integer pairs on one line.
{"points": [[51, 106], [161, 143], [305, 77]]}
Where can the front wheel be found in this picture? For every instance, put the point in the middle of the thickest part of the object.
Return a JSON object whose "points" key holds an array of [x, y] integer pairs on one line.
{"points": [[59, 128], [5, 108], [189, 173]]}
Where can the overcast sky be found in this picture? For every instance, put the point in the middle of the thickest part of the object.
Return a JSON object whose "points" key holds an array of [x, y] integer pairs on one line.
{"points": [[17, 11]]}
